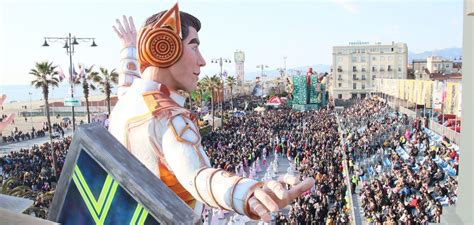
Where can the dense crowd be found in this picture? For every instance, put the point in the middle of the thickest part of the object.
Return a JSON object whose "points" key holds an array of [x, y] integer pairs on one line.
{"points": [[403, 179], [17, 135], [32, 168], [308, 139]]}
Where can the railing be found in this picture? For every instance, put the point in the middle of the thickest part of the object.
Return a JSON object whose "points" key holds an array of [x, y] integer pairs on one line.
{"points": [[339, 70], [445, 131], [363, 70]]}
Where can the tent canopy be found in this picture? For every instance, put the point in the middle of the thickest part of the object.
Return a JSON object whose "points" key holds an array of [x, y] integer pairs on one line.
{"points": [[275, 100]]}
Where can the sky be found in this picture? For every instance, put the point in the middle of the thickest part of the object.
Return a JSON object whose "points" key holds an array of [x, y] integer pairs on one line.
{"points": [[266, 30]]}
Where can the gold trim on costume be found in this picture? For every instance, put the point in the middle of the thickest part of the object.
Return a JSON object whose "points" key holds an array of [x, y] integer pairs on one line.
{"points": [[234, 185], [209, 187], [195, 185]]}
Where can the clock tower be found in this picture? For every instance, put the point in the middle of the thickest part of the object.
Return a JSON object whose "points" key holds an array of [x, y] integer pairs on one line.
{"points": [[239, 59]]}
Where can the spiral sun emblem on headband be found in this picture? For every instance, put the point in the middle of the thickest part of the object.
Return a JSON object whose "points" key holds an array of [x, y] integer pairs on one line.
{"points": [[164, 46]]}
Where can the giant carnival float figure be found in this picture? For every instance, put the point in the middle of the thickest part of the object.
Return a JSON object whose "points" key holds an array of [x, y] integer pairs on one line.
{"points": [[151, 122]]}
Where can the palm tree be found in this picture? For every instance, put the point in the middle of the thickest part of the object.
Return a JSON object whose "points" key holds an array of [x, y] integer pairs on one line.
{"points": [[231, 82], [211, 84], [45, 75], [87, 84], [106, 80], [11, 187], [200, 88]]}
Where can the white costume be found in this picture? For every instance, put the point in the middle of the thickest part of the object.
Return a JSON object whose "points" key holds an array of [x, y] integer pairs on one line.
{"points": [[153, 125]]}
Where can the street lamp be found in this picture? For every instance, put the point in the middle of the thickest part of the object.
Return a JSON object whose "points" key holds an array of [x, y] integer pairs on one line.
{"points": [[221, 62], [31, 109], [262, 66], [69, 42]]}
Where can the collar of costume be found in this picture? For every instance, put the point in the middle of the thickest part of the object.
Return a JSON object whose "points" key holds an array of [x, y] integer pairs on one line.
{"points": [[160, 44], [143, 86]]}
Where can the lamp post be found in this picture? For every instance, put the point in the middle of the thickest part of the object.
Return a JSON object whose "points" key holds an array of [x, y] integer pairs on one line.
{"points": [[262, 66], [31, 109], [221, 62], [69, 42]]}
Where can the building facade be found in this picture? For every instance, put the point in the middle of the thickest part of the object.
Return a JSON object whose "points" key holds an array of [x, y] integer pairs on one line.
{"points": [[355, 66]]}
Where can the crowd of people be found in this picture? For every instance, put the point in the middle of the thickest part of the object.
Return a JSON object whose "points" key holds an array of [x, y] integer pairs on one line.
{"points": [[307, 139], [398, 165], [17, 135], [31, 168]]}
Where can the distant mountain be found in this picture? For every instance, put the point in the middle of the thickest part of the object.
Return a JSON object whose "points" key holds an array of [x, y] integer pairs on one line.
{"points": [[319, 68], [449, 53]]}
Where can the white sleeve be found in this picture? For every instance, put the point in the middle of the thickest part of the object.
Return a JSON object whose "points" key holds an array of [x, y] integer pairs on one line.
{"points": [[186, 158], [128, 69]]}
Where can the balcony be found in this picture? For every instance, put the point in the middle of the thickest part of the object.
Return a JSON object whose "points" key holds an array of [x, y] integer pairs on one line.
{"points": [[363, 78], [339, 70], [354, 70]]}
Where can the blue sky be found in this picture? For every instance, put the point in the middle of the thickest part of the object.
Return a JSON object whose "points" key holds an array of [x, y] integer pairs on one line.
{"points": [[267, 30]]}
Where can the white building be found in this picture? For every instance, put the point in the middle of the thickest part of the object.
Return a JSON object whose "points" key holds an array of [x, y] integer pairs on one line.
{"points": [[239, 59], [438, 64], [355, 66]]}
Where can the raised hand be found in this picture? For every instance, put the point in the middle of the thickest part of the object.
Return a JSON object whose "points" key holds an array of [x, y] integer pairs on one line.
{"points": [[273, 196], [127, 33]]}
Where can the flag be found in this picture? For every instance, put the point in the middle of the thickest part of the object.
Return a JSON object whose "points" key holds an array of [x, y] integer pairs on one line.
{"points": [[2, 99], [82, 72], [60, 73], [443, 96], [72, 77]]}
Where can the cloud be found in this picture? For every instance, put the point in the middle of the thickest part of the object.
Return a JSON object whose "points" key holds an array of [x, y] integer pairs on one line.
{"points": [[347, 5]]}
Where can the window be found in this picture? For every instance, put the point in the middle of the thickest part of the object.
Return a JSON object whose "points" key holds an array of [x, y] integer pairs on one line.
{"points": [[354, 86], [382, 58], [389, 68], [362, 59], [363, 76], [374, 58], [382, 68], [399, 69], [354, 96], [339, 84], [354, 69], [363, 86], [354, 58], [373, 69], [373, 77], [354, 77], [339, 96], [339, 77]]}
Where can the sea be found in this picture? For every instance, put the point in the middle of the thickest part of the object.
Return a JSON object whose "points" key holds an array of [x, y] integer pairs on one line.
{"points": [[22, 93]]}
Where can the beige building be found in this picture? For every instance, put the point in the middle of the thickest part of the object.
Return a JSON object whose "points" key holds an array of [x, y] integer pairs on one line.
{"points": [[438, 64], [355, 66]]}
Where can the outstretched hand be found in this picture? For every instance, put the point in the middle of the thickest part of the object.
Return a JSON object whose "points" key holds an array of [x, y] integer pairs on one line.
{"points": [[126, 32], [273, 196]]}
